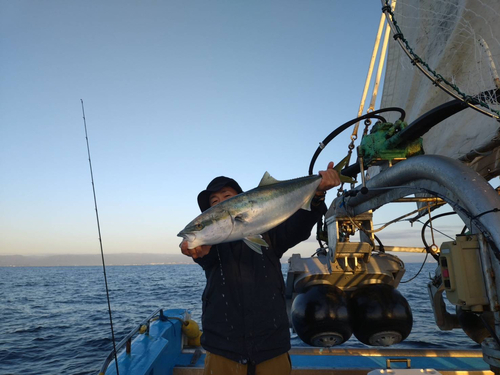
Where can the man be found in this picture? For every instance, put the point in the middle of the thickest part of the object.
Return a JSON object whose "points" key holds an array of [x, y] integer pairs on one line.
{"points": [[245, 323]]}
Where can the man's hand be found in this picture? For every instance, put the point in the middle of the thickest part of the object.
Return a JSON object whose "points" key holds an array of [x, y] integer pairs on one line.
{"points": [[330, 179], [197, 252]]}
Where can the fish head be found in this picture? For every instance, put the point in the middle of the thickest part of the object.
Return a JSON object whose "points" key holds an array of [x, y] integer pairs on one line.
{"points": [[210, 228]]}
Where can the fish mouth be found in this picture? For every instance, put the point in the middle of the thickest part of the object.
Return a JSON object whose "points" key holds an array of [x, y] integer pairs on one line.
{"points": [[190, 237]]}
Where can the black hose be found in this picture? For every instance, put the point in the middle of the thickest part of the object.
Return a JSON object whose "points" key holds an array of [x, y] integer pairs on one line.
{"points": [[477, 223], [430, 119], [380, 245], [343, 127], [419, 127], [426, 245]]}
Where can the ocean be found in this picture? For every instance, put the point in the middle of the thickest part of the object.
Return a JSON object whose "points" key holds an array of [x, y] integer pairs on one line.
{"points": [[54, 320]]}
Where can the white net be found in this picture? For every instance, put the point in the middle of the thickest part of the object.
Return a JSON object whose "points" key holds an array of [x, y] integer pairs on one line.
{"points": [[458, 43]]}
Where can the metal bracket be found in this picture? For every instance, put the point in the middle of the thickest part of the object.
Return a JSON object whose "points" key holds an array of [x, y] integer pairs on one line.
{"points": [[196, 356], [389, 360]]}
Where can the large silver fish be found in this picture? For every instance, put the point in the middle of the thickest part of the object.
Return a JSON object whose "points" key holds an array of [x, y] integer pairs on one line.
{"points": [[247, 215]]}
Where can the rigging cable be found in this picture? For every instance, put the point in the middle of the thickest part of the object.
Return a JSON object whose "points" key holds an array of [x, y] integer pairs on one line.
{"points": [[100, 238], [418, 273], [436, 78]]}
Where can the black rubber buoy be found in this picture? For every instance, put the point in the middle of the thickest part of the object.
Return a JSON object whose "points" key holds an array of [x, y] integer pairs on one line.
{"points": [[380, 315], [320, 316], [473, 325]]}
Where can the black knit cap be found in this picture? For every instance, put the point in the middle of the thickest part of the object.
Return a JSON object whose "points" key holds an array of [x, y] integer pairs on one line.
{"points": [[215, 185]]}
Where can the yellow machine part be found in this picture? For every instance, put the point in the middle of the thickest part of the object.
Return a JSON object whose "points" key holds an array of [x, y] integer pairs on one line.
{"points": [[190, 329], [196, 341], [462, 273]]}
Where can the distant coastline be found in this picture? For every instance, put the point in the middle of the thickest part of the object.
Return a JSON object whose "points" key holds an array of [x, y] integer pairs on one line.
{"points": [[61, 260], [124, 259]]}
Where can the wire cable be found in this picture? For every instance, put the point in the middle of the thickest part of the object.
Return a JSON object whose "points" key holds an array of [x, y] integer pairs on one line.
{"points": [[418, 273], [424, 226]]}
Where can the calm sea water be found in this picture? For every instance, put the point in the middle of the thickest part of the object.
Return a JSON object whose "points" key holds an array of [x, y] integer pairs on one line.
{"points": [[54, 320]]}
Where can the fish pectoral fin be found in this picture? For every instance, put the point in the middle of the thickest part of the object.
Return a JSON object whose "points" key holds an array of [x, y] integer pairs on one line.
{"points": [[258, 240], [255, 243], [267, 179], [307, 205]]}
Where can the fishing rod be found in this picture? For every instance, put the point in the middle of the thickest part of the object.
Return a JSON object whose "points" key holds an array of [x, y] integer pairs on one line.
{"points": [[100, 238]]}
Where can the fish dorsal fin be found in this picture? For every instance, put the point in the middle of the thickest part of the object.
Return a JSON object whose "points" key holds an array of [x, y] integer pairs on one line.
{"points": [[267, 179]]}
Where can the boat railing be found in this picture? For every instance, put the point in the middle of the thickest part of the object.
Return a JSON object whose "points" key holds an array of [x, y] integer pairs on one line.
{"points": [[142, 328]]}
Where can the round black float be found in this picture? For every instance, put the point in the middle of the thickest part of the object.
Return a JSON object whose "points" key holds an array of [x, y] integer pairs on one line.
{"points": [[474, 326], [380, 315], [320, 316]]}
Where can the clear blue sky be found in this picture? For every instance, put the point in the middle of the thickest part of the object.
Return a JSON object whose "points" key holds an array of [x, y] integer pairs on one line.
{"points": [[176, 93]]}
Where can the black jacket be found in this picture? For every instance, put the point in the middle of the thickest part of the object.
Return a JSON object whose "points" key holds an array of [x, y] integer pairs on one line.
{"points": [[244, 311]]}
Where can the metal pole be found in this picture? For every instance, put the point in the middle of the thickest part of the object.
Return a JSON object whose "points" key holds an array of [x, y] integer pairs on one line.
{"points": [[380, 65], [370, 71]]}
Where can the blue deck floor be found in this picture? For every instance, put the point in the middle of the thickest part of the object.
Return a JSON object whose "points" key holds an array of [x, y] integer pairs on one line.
{"points": [[327, 360]]}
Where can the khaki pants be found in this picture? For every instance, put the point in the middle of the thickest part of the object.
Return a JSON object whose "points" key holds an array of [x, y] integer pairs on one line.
{"points": [[218, 365]]}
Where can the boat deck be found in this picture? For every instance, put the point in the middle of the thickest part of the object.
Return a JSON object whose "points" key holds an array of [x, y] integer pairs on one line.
{"points": [[306, 361], [161, 350]]}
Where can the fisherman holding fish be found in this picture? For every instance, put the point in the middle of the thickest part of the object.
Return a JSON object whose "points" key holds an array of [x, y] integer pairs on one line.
{"points": [[239, 240]]}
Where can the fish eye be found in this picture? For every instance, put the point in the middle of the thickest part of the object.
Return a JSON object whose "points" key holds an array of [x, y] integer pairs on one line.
{"points": [[199, 226]]}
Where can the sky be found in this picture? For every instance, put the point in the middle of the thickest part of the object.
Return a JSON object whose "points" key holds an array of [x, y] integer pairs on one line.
{"points": [[175, 94]]}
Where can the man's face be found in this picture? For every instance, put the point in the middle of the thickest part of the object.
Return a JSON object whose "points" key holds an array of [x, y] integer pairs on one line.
{"points": [[219, 196]]}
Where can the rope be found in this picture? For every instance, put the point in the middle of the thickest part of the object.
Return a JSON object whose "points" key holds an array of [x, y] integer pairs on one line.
{"points": [[438, 77]]}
